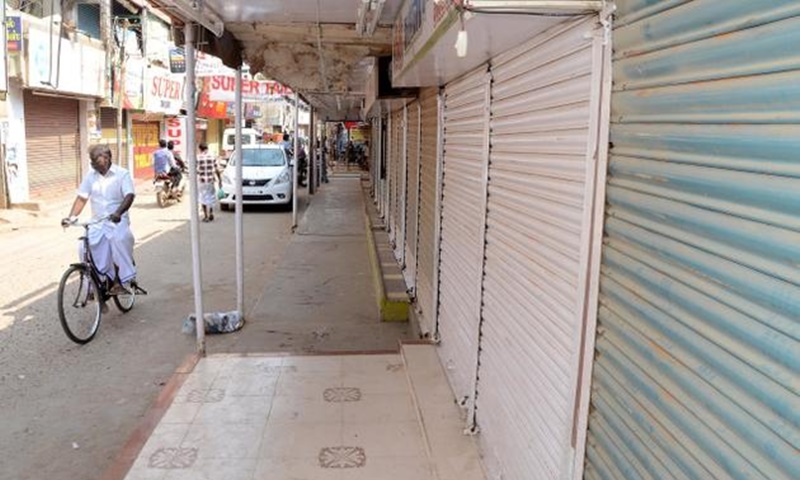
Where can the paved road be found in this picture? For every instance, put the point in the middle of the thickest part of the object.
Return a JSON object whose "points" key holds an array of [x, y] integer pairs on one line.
{"points": [[65, 409]]}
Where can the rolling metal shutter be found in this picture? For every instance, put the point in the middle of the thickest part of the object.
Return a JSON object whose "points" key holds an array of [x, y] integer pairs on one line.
{"points": [[395, 219], [412, 193], [145, 143], [466, 145], [698, 351], [428, 238], [398, 185], [541, 183], [52, 139]]}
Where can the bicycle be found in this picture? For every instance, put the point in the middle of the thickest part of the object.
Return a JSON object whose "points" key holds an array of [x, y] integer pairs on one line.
{"points": [[82, 293]]}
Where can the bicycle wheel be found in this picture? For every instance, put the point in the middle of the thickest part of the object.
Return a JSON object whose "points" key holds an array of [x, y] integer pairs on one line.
{"points": [[79, 304], [125, 302]]}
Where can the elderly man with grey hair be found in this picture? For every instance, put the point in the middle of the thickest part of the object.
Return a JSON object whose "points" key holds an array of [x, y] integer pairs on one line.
{"points": [[109, 188]]}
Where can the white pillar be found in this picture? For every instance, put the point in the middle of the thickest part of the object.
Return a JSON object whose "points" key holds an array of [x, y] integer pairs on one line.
{"points": [[239, 205], [191, 159], [294, 160]]}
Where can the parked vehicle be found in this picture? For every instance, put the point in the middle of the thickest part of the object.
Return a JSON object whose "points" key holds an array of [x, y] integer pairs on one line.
{"points": [[266, 173], [249, 137]]}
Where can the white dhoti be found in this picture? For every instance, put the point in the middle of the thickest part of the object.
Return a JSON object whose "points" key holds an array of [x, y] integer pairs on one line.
{"points": [[207, 194], [112, 244]]}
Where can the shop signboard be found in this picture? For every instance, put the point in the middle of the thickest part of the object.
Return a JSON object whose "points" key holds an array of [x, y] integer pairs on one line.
{"points": [[13, 33], [163, 91], [419, 23], [50, 71], [222, 88], [176, 133]]}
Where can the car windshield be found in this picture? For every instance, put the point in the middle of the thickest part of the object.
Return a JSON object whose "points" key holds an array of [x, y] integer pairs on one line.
{"points": [[246, 140], [262, 157]]}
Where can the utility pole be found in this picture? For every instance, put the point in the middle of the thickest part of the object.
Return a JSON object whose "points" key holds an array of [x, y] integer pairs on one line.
{"points": [[121, 93]]}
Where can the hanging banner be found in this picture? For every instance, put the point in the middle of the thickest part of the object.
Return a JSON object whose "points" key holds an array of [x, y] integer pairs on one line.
{"points": [[133, 96], [222, 88], [163, 91]]}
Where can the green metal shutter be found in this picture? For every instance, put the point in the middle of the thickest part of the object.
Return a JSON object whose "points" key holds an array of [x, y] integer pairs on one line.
{"points": [[698, 348]]}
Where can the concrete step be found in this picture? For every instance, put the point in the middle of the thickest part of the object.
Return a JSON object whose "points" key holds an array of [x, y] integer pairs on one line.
{"points": [[453, 453]]}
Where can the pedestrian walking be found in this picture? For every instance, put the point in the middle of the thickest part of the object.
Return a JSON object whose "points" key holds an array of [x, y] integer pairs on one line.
{"points": [[206, 180]]}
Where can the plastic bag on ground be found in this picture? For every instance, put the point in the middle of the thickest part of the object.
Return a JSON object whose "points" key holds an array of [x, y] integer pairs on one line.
{"points": [[216, 322]]}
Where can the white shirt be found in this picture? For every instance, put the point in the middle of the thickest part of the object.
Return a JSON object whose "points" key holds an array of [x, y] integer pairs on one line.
{"points": [[106, 193]]}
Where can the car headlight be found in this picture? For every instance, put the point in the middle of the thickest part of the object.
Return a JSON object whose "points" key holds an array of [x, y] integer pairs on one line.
{"points": [[227, 179], [284, 177]]}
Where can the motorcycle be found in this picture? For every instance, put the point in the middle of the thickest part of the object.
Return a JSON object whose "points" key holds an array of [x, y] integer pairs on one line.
{"points": [[166, 191]]}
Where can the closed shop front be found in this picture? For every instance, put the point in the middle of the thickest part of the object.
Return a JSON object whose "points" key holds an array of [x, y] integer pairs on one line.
{"points": [[544, 123], [698, 359], [466, 146], [53, 145], [145, 142], [412, 192], [428, 238], [397, 193]]}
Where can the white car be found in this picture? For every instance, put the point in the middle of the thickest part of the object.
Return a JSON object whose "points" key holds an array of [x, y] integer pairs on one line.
{"points": [[266, 173]]}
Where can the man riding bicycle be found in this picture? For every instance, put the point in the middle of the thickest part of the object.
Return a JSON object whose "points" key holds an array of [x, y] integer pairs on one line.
{"points": [[110, 190]]}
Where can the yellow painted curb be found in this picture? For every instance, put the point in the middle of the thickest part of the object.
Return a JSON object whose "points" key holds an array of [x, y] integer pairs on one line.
{"points": [[391, 308]]}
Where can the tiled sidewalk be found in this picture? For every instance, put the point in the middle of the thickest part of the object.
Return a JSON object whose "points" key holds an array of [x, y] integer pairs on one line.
{"points": [[281, 418]]}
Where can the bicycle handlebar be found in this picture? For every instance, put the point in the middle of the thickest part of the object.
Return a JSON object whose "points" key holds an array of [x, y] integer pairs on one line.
{"points": [[76, 223]]}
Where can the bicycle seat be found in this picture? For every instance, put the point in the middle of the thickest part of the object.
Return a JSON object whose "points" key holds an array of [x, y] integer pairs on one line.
{"points": [[162, 176]]}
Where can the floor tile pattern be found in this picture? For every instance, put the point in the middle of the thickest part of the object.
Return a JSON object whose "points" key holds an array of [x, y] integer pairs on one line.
{"points": [[171, 458], [342, 394], [342, 457], [279, 418]]}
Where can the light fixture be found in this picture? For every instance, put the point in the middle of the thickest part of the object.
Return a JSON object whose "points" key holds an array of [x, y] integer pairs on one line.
{"points": [[461, 39], [461, 44]]}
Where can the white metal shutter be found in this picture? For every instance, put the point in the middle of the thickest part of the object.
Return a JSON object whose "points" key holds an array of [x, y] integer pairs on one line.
{"points": [[698, 356], [52, 139], [463, 227], [392, 178], [412, 193], [429, 186], [538, 229], [398, 178]]}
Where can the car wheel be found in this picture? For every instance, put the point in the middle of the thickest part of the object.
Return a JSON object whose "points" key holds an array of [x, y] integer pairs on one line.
{"points": [[224, 207]]}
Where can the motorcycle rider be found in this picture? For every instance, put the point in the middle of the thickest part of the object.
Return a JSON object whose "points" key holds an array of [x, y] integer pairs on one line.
{"points": [[164, 164]]}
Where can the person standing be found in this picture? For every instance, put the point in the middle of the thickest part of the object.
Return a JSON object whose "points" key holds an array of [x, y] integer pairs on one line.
{"points": [[110, 189], [206, 180]]}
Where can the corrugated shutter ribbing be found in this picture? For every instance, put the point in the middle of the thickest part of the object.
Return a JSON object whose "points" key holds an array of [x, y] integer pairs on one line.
{"points": [[52, 144], [699, 346], [427, 210], [537, 227]]}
